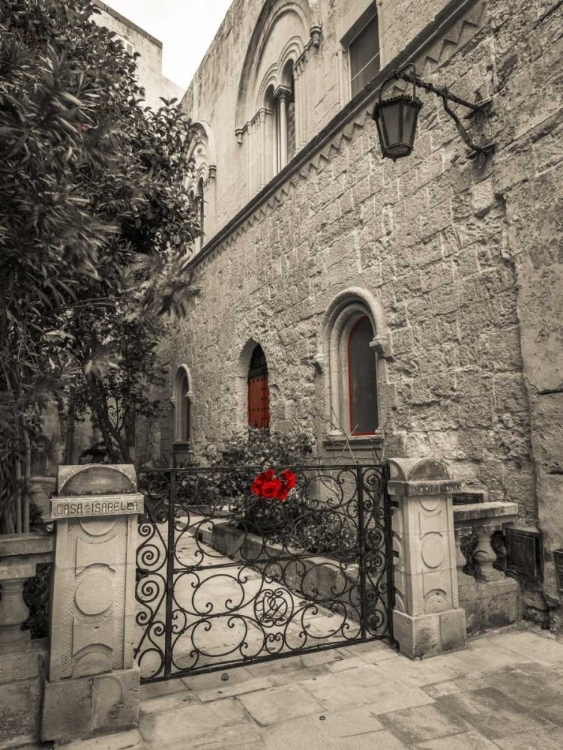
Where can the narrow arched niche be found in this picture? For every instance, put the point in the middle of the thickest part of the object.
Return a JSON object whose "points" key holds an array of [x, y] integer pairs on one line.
{"points": [[182, 396]]}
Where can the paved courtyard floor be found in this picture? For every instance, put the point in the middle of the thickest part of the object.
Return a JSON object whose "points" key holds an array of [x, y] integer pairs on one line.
{"points": [[504, 691]]}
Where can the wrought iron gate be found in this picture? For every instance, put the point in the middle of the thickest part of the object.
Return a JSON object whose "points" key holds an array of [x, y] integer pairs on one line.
{"points": [[232, 570]]}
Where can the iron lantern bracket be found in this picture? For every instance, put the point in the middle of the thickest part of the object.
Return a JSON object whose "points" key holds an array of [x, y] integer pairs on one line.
{"points": [[478, 110]]}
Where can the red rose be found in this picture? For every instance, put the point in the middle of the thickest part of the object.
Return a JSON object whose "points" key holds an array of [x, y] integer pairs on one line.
{"points": [[256, 486], [271, 488], [289, 479], [283, 493], [268, 475]]}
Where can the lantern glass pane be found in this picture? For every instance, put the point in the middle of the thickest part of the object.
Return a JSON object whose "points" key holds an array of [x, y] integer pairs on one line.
{"points": [[381, 132], [410, 113], [391, 114]]}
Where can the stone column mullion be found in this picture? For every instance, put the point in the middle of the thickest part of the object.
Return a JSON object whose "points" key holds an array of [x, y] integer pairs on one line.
{"points": [[283, 129], [298, 107], [263, 149]]}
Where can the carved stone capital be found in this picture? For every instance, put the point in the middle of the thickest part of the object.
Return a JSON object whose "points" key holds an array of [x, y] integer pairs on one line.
{"points": [[282, 92], [315, 32]]}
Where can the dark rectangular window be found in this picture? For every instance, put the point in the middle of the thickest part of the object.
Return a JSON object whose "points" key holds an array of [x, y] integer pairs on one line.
{"points": [[364, 56]]}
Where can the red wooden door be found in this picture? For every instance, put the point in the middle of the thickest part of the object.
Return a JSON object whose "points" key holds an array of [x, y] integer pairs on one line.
{"points": [[258, 401]]}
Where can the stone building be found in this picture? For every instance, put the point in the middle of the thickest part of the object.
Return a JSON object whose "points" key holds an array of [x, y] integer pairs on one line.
{"points": [[149, 64], [408, 308]]}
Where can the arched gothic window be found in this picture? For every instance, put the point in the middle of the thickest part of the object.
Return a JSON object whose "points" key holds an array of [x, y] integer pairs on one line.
{"points": [[258, 390], [272, 112], [182, 398], [284, 120], [201, 184], [355, 338], [201, 210]]}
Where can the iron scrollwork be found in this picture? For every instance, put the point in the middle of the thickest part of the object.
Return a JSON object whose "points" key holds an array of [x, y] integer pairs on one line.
{"points": [[225, 577]]}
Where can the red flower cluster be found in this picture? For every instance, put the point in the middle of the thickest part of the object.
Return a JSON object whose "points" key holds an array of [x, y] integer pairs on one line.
{"points": [[269, 485]]}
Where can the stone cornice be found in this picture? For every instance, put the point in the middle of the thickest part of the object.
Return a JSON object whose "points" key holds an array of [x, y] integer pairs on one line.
{"points": [[432, 47]]}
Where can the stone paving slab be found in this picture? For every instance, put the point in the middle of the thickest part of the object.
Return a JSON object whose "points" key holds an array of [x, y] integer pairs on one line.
{"points": [[363, 685], [423, 723], [503, 692], [280, 704]]}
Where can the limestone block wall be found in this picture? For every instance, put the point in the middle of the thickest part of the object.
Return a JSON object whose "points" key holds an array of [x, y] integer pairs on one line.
{"points": [[464, 259], [429, 237], [323, 79], [149, 64], [528, 179]]}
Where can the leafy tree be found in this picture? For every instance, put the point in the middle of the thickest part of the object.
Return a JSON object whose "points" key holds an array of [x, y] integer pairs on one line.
{"points": [[95, 230]]}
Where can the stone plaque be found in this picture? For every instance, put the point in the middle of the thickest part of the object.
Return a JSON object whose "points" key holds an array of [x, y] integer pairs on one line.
{"points": [[92, 506]]}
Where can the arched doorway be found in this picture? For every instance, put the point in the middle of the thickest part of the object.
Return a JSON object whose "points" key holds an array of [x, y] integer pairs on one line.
{"points": [[258, 390]]}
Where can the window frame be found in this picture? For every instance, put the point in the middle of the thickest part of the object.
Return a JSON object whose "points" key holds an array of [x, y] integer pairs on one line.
{"points": [[348, 35], [340, 374], [376, 55]]}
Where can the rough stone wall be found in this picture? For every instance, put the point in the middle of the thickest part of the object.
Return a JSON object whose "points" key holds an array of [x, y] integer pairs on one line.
{"points": [[465, 259], [428, 237], [401, 20], [528, 177], [212, 95]]}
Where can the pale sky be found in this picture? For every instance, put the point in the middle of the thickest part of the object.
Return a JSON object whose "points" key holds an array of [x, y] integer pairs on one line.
{"points": [[185, 27]]}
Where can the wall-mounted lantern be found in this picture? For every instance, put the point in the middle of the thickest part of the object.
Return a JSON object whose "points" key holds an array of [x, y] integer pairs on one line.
{"points": [[396, 118]]}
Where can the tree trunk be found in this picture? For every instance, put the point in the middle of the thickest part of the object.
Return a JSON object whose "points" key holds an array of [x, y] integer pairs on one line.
{"points": [[110, 434]]}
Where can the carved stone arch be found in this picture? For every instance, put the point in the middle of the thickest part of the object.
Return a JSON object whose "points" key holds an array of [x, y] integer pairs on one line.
{"points": [[343, 312], [270, 79], [203, 152], [290, 54], [382, 336], [270, 15]]}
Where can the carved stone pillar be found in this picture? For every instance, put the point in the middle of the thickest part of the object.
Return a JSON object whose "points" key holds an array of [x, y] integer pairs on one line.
{"points": [[299, 93], [427, 619], [93, 685], [484, 555]]}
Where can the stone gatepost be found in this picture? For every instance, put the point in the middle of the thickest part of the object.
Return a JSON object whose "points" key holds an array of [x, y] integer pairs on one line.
{"points": [[93, 682], [427, 619]]}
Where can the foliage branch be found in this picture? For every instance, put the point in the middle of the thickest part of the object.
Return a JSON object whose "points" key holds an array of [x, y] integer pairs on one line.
{"points": [[95, 229]]}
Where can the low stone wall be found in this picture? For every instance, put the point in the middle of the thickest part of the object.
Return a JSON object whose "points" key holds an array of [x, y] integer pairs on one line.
{"points": [[490, 599], [22, 676], [22, 661], [313, 578], [489, 604]]}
